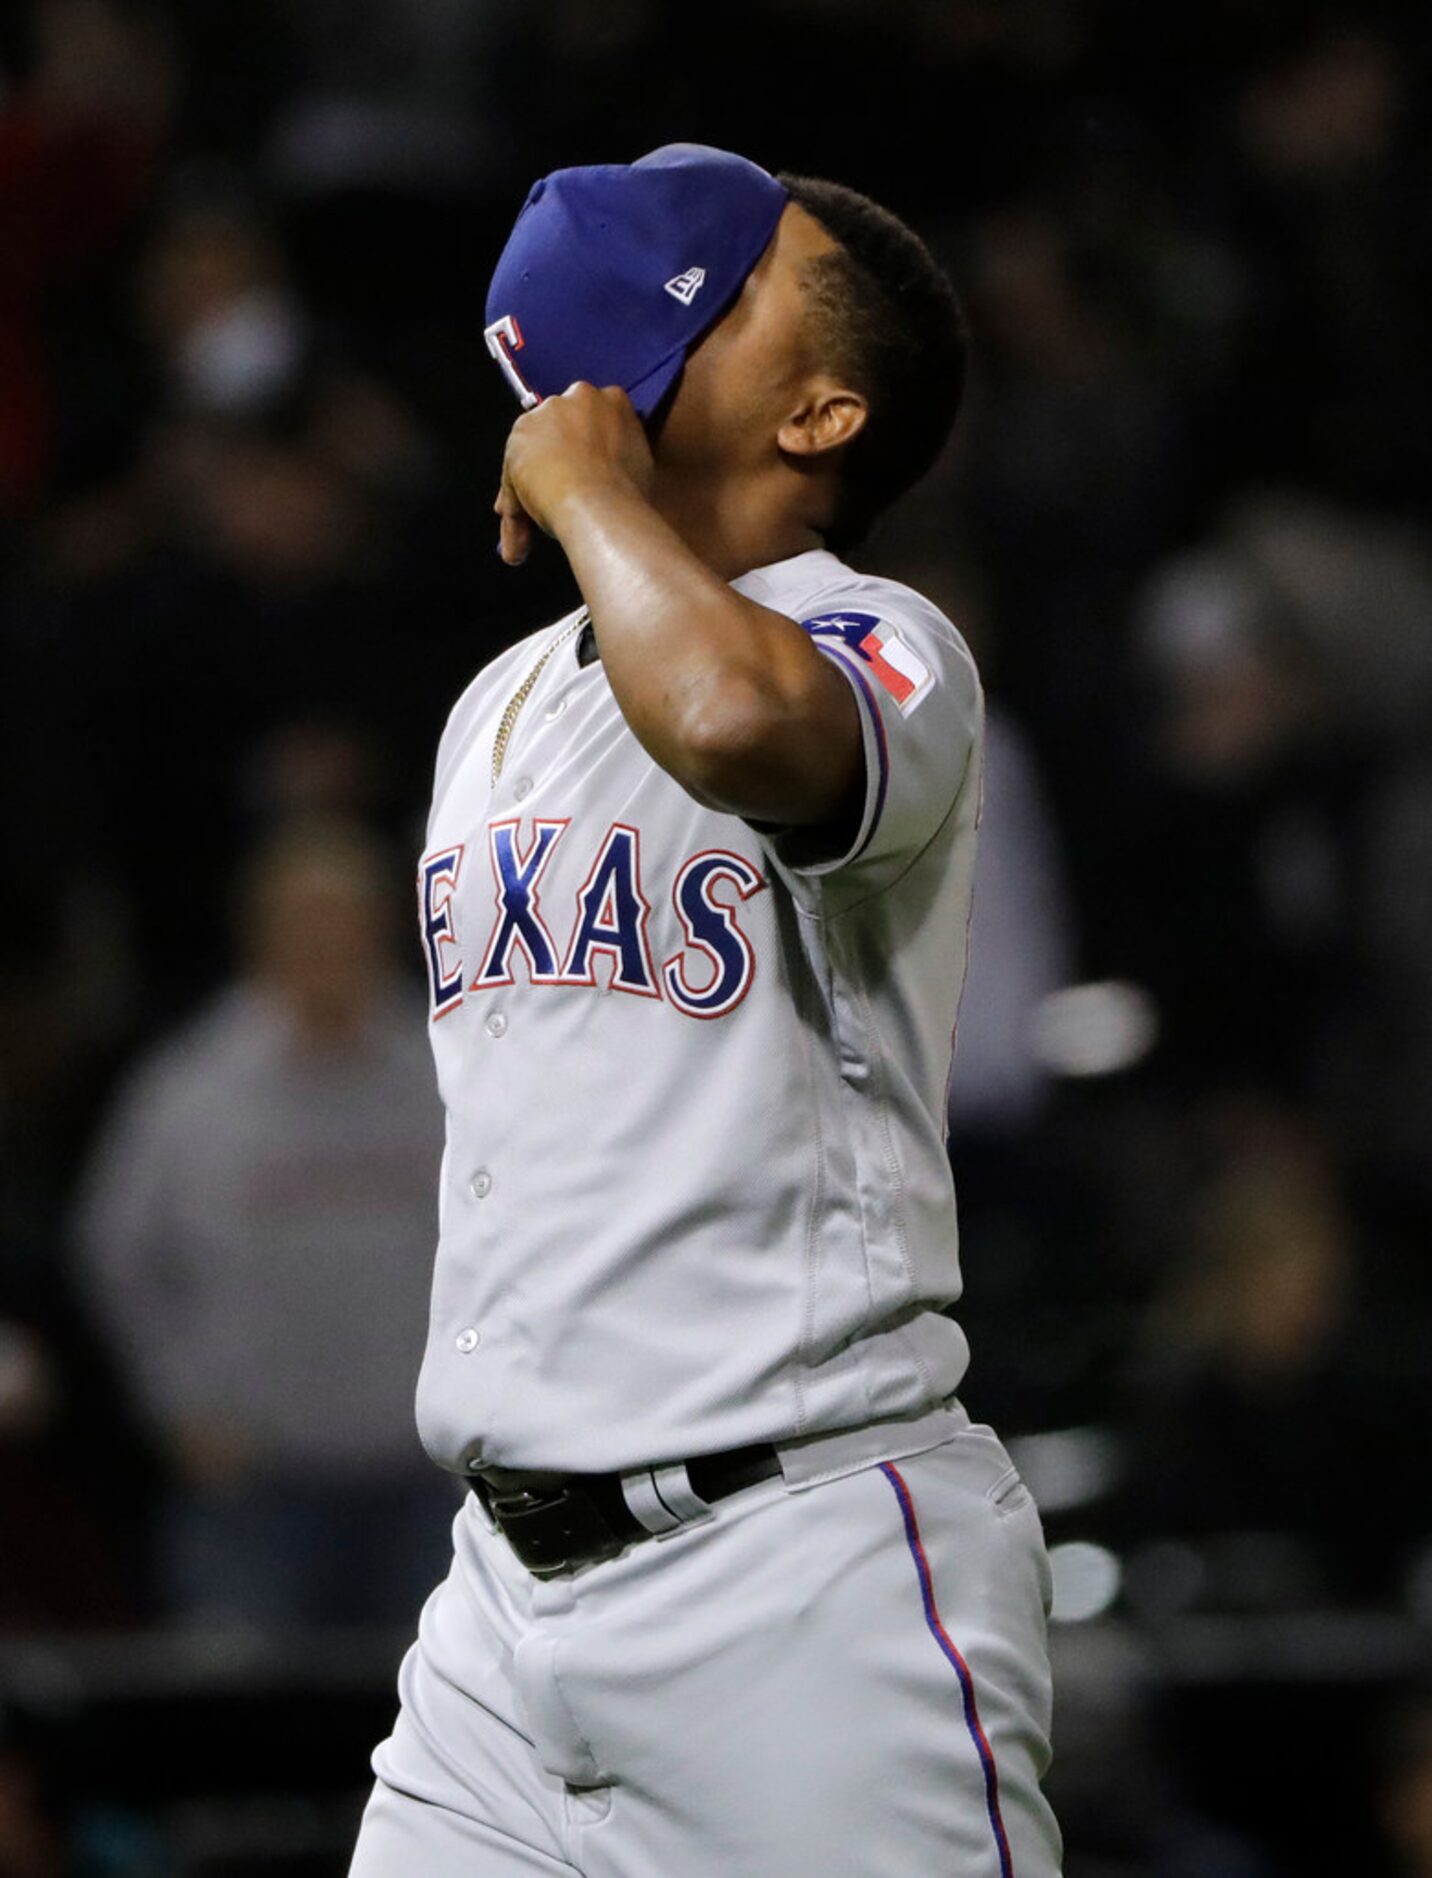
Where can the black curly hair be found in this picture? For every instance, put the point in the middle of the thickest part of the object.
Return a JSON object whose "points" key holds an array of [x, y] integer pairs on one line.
{"points": [[894, 325]]}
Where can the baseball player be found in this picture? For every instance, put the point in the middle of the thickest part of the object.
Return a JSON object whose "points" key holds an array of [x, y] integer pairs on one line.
{"points": [[739, 1590]]}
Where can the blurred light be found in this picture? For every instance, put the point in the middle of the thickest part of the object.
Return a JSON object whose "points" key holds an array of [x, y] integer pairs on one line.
{"points": [[1202, 613], [1094, 1030], [1068, 1467], [244, 356], [1086, 1581]]}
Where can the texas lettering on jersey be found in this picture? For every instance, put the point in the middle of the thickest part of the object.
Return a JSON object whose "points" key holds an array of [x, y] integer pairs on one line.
{"points": [[707, 977]]}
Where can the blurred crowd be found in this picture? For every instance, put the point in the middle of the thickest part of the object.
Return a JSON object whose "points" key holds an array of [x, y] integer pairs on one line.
{"points": [[248, 436]]}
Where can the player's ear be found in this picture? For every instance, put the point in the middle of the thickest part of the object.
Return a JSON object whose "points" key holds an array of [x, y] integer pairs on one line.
{"points": [[829, 415]]}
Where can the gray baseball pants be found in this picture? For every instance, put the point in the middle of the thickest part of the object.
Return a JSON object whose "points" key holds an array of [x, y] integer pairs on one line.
{"points": [[841, 1673]]}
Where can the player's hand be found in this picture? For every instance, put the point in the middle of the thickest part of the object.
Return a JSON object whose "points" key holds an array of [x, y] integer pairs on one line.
{"points": [[561, 448]]}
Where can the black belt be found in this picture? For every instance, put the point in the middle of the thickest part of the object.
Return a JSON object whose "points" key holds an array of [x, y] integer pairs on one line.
{"points": [[558, 1522]]}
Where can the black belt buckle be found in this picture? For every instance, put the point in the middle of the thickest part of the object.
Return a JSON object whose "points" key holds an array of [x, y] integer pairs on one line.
{"points": [[553, 1531]]}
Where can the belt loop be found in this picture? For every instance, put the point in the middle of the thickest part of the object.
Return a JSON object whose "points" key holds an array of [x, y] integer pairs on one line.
{"points": [[673, 1484], [663, 1499], [482, 1505]]}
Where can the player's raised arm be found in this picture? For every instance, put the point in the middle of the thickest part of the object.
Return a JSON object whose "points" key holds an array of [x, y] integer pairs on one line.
{"points": [[729, 697], [762, 392]]}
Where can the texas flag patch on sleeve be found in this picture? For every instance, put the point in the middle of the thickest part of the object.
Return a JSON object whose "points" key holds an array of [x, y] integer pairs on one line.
{"points": [[891, 661]]}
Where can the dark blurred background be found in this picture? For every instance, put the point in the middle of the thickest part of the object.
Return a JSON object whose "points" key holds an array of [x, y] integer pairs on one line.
{"points": [[248, 442]]}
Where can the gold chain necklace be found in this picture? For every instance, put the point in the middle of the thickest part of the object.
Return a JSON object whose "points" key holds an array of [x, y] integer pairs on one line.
{"points": [[524, 692]]}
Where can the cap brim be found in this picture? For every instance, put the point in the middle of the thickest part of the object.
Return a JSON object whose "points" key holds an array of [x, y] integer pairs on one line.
{"points": [[647, 393]]}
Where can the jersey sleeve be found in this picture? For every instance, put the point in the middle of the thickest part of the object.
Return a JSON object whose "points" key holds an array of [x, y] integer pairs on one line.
{"points": [[921, 715]]}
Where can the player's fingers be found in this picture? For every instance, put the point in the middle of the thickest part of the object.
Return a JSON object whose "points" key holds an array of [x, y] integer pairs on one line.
{"points": [[505, 502], [514, 529], [514, 537], [608, 394]]}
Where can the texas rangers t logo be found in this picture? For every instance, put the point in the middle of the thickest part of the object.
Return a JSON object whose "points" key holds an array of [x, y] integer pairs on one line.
{"points": [[504, 338]]}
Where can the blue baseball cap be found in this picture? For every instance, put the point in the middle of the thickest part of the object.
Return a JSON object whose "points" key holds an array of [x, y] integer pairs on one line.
{"points": [[613, 271]]}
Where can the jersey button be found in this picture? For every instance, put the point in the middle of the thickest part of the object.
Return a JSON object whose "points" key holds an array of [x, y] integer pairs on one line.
{"points": [[496, 1024], [467, 1340], [481, 1184], [522, 787], [555, 709]]}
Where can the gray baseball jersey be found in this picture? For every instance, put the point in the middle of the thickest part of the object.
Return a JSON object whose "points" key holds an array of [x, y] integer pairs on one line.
{"points": [[695, 1191]]}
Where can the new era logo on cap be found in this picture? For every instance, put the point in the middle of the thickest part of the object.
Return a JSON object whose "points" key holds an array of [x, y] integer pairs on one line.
{"points": [[686, 286]]}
